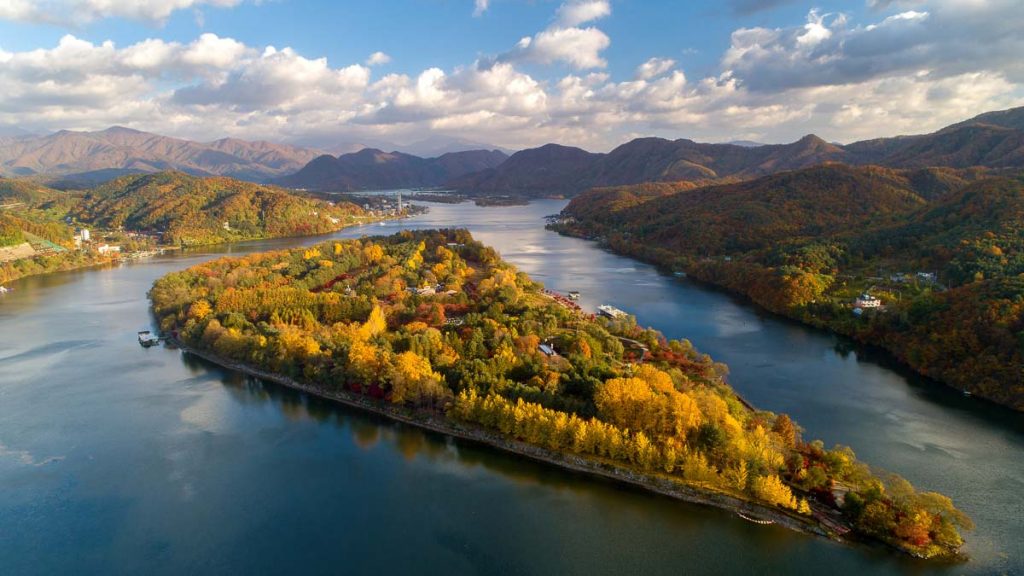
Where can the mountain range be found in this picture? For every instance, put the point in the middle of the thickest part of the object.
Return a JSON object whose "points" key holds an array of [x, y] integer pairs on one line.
{"points": [[92, 156], [372, 169], [993, 140]]}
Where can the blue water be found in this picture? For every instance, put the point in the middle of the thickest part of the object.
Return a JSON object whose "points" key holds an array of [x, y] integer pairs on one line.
{"points": [[121, 460]]}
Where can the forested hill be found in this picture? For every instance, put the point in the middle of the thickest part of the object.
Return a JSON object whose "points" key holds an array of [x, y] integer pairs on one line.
{"points": [[994, 141], [189, 210], [371, 169], [942, 249]]}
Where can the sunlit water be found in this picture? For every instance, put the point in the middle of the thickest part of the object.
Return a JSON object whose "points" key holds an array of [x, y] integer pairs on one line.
{"points": [[120, 460]]}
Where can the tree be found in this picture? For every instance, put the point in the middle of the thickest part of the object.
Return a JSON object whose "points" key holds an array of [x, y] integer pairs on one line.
{"points": [[786, 430], [413, 380], [772, 490]]}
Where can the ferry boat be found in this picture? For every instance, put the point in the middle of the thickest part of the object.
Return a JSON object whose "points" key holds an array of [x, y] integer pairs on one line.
{"points": [[610, 311], [147, 339]]}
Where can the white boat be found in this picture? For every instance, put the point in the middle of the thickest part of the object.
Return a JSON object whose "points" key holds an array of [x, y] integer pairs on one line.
{"points": [[4, 290], [147, 339], [610, 311], [574, 295]]}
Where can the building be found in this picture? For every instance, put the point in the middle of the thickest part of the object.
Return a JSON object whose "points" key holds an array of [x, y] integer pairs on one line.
{"points": [[928, 277], [108, 249], [547, 350], [866, 300]]}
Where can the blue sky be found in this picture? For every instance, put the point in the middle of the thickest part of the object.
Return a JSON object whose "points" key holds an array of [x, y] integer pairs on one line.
{"points": [[741, 69]]}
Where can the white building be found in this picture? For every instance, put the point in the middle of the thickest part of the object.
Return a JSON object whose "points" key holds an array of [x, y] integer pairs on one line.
{"points": [[108, 249], [866, 300]]}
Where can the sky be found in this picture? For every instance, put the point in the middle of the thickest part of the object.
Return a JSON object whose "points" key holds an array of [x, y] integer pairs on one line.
{"points": [[511, 73]]}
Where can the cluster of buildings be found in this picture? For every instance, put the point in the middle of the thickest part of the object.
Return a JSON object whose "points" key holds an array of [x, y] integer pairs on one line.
{"points": [[83, 238]]}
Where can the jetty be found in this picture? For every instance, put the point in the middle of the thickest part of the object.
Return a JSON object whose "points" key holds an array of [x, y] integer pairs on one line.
{"points": [[610, 311], [147, 339]]}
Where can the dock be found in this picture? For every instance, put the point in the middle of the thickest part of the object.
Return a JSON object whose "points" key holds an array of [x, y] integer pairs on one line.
{"points": [[610, 311], [147, 339]]}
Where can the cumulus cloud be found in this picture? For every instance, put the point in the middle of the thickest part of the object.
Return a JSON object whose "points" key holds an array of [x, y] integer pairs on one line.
{"points": [[377, 59], [582, 11], [946, 37], [564, 41], [654, 67], [77, 12], [905, 72]]}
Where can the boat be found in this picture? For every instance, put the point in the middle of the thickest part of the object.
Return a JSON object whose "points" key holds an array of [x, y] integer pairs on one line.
{"points": [[755, 520], [679, 274], [574, 295], [4, 290], [147, 339], [967, 393], [610, 311]]}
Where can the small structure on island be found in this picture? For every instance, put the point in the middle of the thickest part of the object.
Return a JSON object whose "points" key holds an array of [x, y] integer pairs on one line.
{"points": [[547, 349], [866, 300], [610, 311]]}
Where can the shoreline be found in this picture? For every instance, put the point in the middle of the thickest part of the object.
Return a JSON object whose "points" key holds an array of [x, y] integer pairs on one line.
{"points": [[128, 257], [891, 354], [577, 464]]}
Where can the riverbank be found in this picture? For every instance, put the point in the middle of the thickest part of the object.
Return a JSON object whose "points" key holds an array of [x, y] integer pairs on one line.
{"points": [[78, 260], [855, 328], [431, 421]]}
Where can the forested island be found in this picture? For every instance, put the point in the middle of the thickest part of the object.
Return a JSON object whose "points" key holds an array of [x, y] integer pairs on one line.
{"points": [[927, 263], [433, 328], [41, 229]]}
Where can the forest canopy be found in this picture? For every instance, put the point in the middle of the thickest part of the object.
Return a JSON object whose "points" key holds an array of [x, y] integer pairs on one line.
{"points": [[436, 322]]}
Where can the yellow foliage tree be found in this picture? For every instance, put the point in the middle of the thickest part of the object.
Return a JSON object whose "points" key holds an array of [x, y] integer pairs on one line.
{"points": [[771, 489], [414, 380]]}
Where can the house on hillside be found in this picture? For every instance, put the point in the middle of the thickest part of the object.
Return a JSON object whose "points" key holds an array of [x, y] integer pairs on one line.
{"points": [[868, 301], [108, 249]]}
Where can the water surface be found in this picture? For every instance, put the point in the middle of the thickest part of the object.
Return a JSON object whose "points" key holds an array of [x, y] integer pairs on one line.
{"points": [[120, 460]]}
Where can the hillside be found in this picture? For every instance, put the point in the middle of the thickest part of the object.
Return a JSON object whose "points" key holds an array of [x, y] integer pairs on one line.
{"points": [[188, 210], [120, 150], [942, 249], [372, 169]]}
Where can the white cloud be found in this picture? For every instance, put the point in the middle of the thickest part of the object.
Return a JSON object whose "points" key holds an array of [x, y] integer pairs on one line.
{"points": [[906, 72], [578, 12], [564, 41], [377, 59], [77, 12], [479, 7], [654, 67]]}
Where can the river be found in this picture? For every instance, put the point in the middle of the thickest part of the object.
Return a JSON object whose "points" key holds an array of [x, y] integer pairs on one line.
{"points": [[120, 460]]}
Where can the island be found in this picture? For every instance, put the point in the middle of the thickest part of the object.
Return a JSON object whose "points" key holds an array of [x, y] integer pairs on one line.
{"points": [[434, 329]]}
